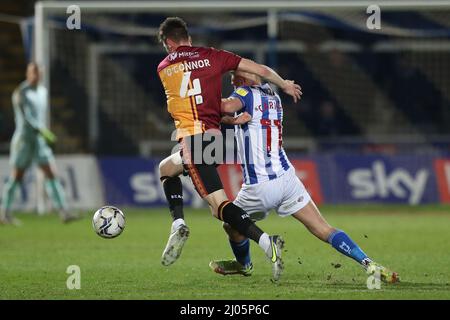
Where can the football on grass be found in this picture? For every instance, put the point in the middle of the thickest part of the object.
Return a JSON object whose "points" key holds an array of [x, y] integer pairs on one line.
{"points": [[108, 222]]}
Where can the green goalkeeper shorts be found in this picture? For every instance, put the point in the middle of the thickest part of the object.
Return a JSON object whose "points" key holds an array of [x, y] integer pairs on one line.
{"points": [[26, 150]]}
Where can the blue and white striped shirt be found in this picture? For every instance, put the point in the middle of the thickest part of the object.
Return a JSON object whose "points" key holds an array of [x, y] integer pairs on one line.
{"points": [[259, 141]]}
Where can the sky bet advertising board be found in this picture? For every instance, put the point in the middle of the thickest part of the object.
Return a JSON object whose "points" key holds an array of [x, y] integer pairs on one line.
{"points": [[329, 179], [334, 179]]}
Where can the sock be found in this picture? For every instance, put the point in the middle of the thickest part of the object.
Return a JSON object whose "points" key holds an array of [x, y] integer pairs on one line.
{"points": [[239, 220], [56, 192], [174, 195], [342, 243], [9, 190], [264, 242], [241, 251], [177, 223]]}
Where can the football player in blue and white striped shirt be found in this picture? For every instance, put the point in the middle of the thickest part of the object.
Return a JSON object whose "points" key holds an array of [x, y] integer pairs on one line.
{"points": [[260, 140], [270, 181]]}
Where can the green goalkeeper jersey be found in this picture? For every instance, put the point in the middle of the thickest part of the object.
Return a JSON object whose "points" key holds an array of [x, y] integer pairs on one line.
{"points": [[30, 109]]}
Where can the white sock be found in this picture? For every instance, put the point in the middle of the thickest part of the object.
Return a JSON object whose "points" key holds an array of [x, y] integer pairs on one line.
{"points": [[264, 242], [177, 223]]}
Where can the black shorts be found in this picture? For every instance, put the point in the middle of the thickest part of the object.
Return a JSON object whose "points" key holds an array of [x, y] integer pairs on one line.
{"points": [[199, 164]]}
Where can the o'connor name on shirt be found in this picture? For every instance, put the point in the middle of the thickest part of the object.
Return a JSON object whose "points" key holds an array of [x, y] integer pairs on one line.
{"points": [[187, 66]]}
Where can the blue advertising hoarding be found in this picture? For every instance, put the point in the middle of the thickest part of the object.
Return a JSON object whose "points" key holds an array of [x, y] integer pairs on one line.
{"points": [[338, 179]]}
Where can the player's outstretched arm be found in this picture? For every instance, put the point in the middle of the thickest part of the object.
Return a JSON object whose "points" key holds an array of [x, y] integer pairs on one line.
{"points": [[288, 86]]}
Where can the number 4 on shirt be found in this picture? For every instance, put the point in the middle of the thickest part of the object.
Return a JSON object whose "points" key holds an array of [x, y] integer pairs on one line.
{"points": [[184, 91]]}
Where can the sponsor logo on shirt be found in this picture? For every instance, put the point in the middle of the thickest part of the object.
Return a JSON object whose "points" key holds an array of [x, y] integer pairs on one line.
{"points": [[183, 54], [242, 92], [173, 56]]}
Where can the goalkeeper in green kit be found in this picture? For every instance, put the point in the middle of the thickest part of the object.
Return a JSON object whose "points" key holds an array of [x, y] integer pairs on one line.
{"points": [[31, 143]]}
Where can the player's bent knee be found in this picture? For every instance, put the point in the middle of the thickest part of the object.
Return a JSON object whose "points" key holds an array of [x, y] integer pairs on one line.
{"points": [[170, 166], [216, 199], [163, 168]]}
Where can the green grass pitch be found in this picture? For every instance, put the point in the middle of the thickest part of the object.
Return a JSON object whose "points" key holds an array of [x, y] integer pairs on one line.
{"points": [[414, 241]]}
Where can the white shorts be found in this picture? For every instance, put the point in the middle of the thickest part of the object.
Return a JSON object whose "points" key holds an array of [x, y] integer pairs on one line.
{"points": [[286, 195]]}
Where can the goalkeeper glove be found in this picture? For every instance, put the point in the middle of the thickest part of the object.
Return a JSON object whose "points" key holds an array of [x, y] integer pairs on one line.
{"points": [[48, 136]]}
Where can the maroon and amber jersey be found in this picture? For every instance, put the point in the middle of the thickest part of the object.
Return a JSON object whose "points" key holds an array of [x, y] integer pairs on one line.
{"points": [[192, 80]]}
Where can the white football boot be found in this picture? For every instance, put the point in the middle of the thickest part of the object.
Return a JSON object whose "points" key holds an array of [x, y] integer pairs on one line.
{"points": [[274, 254], [175, 245]]}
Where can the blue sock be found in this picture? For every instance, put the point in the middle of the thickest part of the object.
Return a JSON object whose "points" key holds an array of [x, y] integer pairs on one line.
{"points": [[241, 251], [342, 243]]}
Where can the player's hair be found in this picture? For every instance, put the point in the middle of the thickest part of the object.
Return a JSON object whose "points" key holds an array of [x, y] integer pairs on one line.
{"points": [[174, 28]]}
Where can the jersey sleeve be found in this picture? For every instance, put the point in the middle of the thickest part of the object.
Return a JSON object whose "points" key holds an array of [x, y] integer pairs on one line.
{"points": [[229, 61], [246, 96]]}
